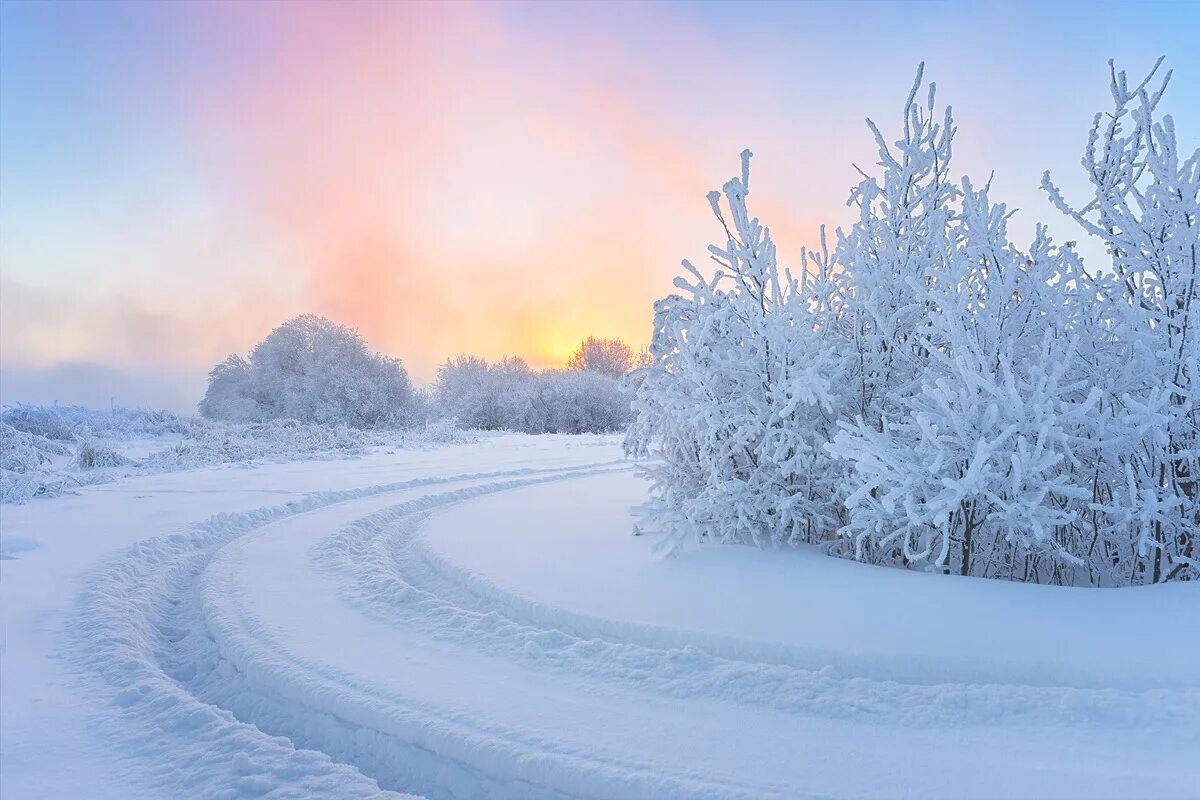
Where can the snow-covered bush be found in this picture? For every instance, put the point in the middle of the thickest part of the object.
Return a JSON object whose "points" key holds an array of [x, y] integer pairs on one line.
{"points": [[974, 473], [99, 446], [571, 401], [484, 396], [211, 443], [931, 395], [25, 459], [21, 451], [1145, 207], [72, 423], [36, 454], [312, 370], [94, 455], [508, 395], [740, 397]]}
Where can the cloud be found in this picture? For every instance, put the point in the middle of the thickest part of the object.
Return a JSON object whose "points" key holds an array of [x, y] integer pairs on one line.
{"points": [[447, 178], [42, 326], [449, 187]]}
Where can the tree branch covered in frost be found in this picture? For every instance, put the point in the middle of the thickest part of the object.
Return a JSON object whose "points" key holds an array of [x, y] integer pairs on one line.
{"points": [[931, 395]]}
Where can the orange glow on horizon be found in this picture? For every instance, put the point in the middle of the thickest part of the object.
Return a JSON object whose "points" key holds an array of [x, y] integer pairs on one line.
{"points": [[415, 171]]}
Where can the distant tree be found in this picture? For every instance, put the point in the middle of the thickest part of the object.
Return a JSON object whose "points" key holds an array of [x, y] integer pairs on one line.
{"points": [[228, 396], [610, 357], [313, 370], [508, 395], [469, 390], [573, 401]]}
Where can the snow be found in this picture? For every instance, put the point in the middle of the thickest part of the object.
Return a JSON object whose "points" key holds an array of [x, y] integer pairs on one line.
{"points": [[577, 556], [478, 621], [51, 450]]}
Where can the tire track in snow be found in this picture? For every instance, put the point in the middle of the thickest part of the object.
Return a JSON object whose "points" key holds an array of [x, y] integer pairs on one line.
{"points": [[128, 637], [199, 678], [455, 753], [392, 573]]}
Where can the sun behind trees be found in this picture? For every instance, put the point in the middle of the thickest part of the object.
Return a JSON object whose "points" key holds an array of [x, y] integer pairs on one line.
{"points": [[929, 394], [610, 357], [311, 369]]}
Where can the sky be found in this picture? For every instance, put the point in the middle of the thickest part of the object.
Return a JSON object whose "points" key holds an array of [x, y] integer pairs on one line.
{"points": [[176, 179]]}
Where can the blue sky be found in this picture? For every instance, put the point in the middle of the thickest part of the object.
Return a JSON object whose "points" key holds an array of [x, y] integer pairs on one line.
{"points": [[176, 179]]}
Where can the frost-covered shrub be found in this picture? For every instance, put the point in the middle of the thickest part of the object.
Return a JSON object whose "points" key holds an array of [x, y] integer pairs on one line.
{"points": [[22, 451], [51, 422], [739, 398], [24, 460], [94, 455], [508, 395], [46, 450], [32, 465], [73, 423], [27, 462], [20, 487], [965, 468], [312, 370], [931, 395], [571, 401], [210, 443], [1145, 207], [437, 433], [484, 396]]}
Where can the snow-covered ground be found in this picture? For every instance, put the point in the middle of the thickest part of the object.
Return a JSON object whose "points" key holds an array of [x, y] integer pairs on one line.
{"points": [[477, 621]]}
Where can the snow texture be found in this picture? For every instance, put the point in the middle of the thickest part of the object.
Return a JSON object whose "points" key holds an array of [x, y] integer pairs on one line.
{"points": [[407, 623], [50, 450]]}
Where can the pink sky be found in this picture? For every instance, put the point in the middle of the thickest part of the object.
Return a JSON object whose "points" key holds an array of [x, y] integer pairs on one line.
{"points": [[485, 178]]}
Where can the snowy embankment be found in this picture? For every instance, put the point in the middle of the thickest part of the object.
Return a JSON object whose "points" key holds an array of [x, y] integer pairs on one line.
{"points": [[476, 621], [46, 451]]}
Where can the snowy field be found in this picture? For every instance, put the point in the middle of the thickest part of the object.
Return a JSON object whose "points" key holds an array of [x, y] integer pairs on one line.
{"points": [[477, 621]]}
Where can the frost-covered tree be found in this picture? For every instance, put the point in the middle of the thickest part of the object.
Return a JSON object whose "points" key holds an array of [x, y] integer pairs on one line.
{"points": [[738, 399], [508, 395], [973, 471], [610, 357], [229, 391], [935, 397], [468, 391], [1145, 207], [313, 370], [1052, 433], [572, 401], [900, 247]]}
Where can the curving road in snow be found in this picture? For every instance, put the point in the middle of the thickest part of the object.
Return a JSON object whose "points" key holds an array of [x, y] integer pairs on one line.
{"points": [[478, 621]]}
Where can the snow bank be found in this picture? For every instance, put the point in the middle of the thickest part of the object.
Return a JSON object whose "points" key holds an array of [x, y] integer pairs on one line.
{"points": [[51, 450], [579, 571]]}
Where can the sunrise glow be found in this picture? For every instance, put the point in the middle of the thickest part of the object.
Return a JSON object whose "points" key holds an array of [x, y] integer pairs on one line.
{"points": [[448, 178]]}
